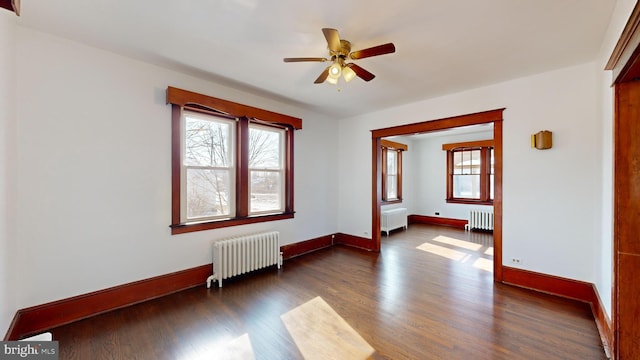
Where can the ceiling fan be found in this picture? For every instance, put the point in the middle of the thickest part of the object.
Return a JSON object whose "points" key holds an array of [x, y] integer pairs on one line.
{"points": [[339, 54]]}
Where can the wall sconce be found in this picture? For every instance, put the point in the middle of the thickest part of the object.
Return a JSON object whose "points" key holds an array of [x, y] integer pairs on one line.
{"points": [[542, 140]]}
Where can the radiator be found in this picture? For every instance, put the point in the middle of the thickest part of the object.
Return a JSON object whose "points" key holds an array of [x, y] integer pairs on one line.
{"points": [[242, 254], [479, 219], [393, 219]]}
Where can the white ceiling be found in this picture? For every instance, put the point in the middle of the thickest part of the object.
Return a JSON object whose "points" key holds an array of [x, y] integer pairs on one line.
{"points": [[443, 46]]}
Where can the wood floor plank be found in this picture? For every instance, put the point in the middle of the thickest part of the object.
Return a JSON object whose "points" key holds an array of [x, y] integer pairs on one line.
{"points": [[404, 302]]}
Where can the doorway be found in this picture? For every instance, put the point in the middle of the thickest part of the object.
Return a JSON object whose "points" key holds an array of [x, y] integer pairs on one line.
{"points": [[492, 116]]}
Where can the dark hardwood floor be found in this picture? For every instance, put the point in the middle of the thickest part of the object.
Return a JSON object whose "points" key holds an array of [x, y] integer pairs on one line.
{"points": [[429, 294]]}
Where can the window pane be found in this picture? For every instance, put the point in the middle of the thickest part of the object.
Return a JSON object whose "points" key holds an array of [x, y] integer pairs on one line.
{"points": [[457, 162], [466, 162], [266, 153], [265, 148], [266, 191], [466, 186], [474, 161], [392, 187], [207, 141], [392, 162], [208, 193]]}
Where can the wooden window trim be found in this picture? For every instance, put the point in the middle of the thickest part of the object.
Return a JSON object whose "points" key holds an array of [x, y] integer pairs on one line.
{"points": [[485, 171], [182, 99]]}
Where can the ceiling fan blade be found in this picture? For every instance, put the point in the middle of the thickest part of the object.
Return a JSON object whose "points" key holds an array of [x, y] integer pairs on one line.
{"points": [[333, 39], [373, 51], [362, 73], [300, 59], [322, 76]]}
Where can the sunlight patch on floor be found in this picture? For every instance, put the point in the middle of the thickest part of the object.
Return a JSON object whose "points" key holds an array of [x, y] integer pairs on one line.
{"points": [[489, 251], [483, 264], [233, 349], [458, 243], [320, 333], [443, 251]]}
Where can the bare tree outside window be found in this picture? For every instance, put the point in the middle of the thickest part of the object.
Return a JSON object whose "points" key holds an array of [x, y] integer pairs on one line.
{"points": [[209, 166]]}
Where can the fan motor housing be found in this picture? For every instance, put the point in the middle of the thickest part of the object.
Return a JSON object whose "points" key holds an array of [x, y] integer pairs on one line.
{"points": [[345, 49]]}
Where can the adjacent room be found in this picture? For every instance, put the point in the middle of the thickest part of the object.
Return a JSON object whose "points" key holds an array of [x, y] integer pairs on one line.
{"points": [[250, 180]]}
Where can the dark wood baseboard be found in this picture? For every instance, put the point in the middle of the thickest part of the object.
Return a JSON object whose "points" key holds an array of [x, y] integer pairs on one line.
{"points": [[603, 323], [435, 220], [32, 320], [567, 288], [550, 284], [300, 248], [354, 241]]}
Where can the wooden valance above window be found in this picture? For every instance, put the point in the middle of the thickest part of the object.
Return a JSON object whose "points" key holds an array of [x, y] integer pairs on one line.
{"points": [[184, 98], [469, 144], [11, 5]]}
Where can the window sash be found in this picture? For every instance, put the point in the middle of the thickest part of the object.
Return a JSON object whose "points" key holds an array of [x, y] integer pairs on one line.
{"points": [[214, 202], [260, 199], [268, 196], [194, 200]]}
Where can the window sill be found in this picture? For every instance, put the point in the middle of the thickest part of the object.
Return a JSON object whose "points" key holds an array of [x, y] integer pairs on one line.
{"points": [[208, 225], [469, 201], [389, 202]]}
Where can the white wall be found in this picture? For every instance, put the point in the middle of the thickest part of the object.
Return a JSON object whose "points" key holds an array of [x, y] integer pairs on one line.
{"points": [[604, 252], [550, 196], [429, 180], [93, 171], [8, 278]]}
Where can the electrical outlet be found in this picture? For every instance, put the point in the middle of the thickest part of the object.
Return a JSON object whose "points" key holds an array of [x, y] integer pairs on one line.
{"points": [[516, 260], [437, 212]]}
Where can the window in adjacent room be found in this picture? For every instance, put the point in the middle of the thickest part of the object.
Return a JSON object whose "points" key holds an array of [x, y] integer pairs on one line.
{"points": [[232, 164], [470, 172], [392, 171]]}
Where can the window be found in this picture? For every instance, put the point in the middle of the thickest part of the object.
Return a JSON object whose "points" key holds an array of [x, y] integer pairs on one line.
{"points": [[470, 173], [392, 171], [232, 164]]}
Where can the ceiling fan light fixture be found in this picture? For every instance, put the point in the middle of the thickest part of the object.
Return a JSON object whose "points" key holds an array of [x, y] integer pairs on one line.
{"points": [[348, 73], [332, 80], [335, 70], [339, 53]]}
